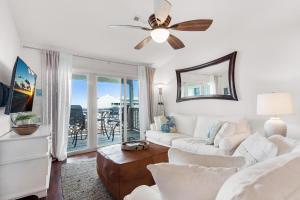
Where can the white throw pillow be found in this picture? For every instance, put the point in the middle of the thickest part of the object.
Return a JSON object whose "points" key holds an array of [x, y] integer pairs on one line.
{"points": [[153, 127], [230, 143], [180, 157], [185, 123], [157, 122], [143, 192], [192, 182], [242, 125], [274, 179], [256, 148], [226, 130]]}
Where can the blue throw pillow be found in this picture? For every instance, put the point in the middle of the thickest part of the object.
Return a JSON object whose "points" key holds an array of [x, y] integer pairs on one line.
{"points": [[167, 124], [212, 132]]}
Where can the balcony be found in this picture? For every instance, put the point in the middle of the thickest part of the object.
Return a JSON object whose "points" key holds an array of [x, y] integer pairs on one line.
{"points": [[110, 127]]}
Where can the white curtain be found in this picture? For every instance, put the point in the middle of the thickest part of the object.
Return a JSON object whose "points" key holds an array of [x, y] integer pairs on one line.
{"points": [[56, 88], [64, 102], [146, 97], [50, 61]]}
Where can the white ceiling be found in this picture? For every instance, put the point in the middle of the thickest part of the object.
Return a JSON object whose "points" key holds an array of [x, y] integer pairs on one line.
{"points": [[82, 25]]}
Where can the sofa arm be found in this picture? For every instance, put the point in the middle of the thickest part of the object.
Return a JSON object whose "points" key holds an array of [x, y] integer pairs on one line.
{"points": [[153, 127], [177, 156]]}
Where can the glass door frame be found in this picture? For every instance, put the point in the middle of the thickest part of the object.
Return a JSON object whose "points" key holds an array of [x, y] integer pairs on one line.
{"points": [[90, 128], [92, 108]]}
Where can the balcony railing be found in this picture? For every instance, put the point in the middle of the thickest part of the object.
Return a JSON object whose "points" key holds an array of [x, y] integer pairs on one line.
{"points": [[133, 119], [109, 125]]}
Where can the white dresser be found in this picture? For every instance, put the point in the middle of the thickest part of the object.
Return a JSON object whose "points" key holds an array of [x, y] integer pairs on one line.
{"points": [[25, 164]]}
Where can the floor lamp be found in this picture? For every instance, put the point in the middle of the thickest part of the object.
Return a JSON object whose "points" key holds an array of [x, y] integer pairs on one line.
{"points": [[160, 107]]}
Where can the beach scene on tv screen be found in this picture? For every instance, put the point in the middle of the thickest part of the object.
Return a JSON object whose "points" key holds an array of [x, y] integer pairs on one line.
{"points": [[24, 87]]}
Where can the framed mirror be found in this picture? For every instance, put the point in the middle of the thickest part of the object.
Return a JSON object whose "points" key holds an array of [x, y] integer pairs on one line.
{"points": [[212, 80]]}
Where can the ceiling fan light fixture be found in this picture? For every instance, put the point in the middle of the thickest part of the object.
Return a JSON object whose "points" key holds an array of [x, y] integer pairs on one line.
{"points": [[160, 35]]}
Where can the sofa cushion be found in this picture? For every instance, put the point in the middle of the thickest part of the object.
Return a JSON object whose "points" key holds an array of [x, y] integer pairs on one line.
{"points": [[166, 139], [144, 192], [203, 125], [274, 179], [192, 182], [197, 146], [185, 123], [177, 156], [256, 148]]}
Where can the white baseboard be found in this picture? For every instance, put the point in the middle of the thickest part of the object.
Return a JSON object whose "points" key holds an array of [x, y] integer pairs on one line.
{"points": [[82, 151]]}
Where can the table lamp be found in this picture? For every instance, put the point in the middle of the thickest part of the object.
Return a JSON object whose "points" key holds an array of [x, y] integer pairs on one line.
{"points": [[274, 105]]}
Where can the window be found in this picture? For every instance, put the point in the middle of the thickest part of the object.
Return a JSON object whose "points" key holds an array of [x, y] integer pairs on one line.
{"points": [[196, 91]]}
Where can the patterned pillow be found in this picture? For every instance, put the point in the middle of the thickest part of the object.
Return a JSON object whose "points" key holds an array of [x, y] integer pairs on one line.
{"points": [[256, 148], [212, 132], [167, 124]]}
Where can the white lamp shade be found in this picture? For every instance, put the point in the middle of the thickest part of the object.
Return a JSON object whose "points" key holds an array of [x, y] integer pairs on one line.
{"points": [[274, 104]]}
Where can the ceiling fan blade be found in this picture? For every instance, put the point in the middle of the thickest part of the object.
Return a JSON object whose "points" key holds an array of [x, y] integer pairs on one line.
{"points": [[175, 42], [143, 43], [162, 9], [193, 25], [130, 26]]}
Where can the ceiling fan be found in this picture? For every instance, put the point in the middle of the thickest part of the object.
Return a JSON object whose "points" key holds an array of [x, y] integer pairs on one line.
{"points": [[159, 23]]}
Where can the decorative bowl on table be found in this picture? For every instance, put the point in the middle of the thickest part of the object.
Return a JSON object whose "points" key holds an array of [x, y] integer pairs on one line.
{"points": [[135, 145], [26, 129]]}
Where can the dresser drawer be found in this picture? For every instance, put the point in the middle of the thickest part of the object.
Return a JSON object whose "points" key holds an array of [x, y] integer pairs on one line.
{"points": [[18, 150], [23, 178]]}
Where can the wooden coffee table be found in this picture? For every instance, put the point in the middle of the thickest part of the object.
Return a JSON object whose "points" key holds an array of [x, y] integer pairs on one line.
{"points": [[122, 171]]}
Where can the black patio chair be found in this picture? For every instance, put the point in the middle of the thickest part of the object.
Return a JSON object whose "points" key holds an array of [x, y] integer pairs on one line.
{"points": [[113, 121], [77, 124], [101, 122]]}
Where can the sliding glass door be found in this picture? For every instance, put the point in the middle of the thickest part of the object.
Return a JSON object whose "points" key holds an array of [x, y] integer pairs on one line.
{"points": [[104, 111], [109, 111], [132, 101], [117, 110]]}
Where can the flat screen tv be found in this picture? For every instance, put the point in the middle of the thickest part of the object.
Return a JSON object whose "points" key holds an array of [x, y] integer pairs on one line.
{"points": [[22, 88]]}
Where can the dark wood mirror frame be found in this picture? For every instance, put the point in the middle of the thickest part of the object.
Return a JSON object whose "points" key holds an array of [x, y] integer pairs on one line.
{"points": [[233, 96]]}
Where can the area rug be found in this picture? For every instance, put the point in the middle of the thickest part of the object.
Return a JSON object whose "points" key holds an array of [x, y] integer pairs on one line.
{"points": [[80, 181]]}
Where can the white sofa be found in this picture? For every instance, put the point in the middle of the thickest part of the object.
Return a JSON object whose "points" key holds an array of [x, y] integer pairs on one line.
{"points": [[192, 132], [272, 179]]}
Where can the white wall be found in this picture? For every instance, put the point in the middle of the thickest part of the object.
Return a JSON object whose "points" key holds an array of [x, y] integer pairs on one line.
{"points": [[9, 50], [267, 61]]}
